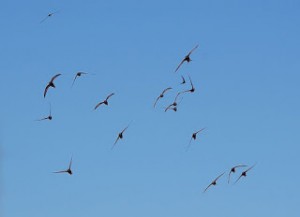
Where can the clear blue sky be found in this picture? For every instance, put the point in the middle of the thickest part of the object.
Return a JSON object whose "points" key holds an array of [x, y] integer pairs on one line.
{"points": [[246, 74]]}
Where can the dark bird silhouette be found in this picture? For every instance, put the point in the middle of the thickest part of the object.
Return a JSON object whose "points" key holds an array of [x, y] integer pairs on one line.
{"points": [[50, 84], [194, 136], [244, 173], [186, 58], [49, 117], [192, 90], [49, 15], [214, 182], [69, 171], [174, 104], [120, 136], [183, 80], [233, 170], [174, 108], [162, 95], [78, 74], [105, 102]]}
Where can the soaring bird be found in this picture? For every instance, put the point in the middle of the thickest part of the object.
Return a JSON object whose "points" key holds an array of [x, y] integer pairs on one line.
{"points": [[186, 58], [120, 136], [244, 173], [49, 117], [49, 15], [69, 171], [78, 74], [162, 95], [50, 84], [194, 136], [214, 182], [233, 170], [174, 104], [105, 102]]}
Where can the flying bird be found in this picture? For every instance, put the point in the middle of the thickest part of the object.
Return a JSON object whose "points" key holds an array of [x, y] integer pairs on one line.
{"points": [[50, 84], [78, 74], [49, 117], [105, 102], [183, 80], [49, 15], [194, 136], [162, 95], [214, 182], [120, 136], [244, 173], [174, 108], [69, 171], [187, 58], [233, 170]]}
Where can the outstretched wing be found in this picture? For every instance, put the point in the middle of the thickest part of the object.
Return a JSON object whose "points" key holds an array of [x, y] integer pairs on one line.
{"points": [[98, 105], [74, 79], [183, 80], [239, 178], [193, 49], [46, 90], [110, 95], [54, 77], [207, 187], [70, 164], [179, 65], [62, 171], [156, 101], [200, 130], [115, 142], [219, 177], [165, 90]]}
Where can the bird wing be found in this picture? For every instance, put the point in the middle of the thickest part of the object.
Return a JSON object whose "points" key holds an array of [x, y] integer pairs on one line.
{"points": [[229, 176], [219, 177], [156, 101], [74, 79], [168, 107], [70, 164], [115, 142], [193, 50], [238, 178], [46, 90], [207, 187], [189, 145], [98, 105], [43, 20], [250, 168], [62, 171], [191, 82], [179, 65], [165, 90], [110, 95], [42, 119], [183, 80], [54, 77], [200, 130], [241, 165]]}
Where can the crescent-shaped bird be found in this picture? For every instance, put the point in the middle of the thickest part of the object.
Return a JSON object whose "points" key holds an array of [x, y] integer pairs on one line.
{"points": [[214, 182], [78, 74], [244, 173], [69, 171], [105, 102], [50, 84], [187, 58], [161, 95], [194, 136], [233, 170], [49, 15], [120, 136]]}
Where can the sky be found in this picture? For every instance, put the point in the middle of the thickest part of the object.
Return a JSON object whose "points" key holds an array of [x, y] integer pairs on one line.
{"points": [[246, 75]]}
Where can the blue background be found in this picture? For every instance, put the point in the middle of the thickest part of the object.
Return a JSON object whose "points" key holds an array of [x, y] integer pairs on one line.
{"points": [[246, 75]]}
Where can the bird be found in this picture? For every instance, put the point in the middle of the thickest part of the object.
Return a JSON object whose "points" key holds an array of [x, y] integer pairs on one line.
{"points": [[233, 170], [174, 108], [120, 136], [49, 15], [78, 74], [161, 95], [50, 84], [49, 117], [194, 136], [214, 182], [244, 173], [105, 102], [192, 90], [186, 58], [174, 104], [183, 80], [69, 171]]}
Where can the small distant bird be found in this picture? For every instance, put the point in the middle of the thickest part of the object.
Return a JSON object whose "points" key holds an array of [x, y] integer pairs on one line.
{"points": [[78, 74], [69, 171], [120, 136], [194, 136], [105, 102], [49, 15], [214, 182], [49, 117], [233, 170], [192, 90], [162, 95], [183, 80], [174, 104], [187, 58], [244, 173], [50, 84], [174, 108]]}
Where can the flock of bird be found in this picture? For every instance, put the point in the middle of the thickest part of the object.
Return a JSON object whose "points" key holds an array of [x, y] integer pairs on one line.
{"points": [[173, 106]]}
